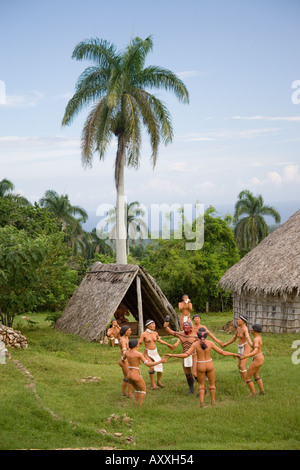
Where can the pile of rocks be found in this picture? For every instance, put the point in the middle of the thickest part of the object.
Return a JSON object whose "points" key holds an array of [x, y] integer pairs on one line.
{"points": [[229, 327], [12, 338]]}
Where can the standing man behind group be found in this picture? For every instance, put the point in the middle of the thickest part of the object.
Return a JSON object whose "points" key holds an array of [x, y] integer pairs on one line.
{"points": [[185, 308]]}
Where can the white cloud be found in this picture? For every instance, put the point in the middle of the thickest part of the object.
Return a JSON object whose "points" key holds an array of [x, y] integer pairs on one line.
{"points": [[177, 166], [268, 118], [207, 185], [25, 100], [275, 178], [64, 96], [184, 167], [289, 176], [160, 184], [189, 74], [255, 181], [219, 134]]}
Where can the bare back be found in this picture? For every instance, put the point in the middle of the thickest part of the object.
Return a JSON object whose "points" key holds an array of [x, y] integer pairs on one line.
{"points": [[134, 358], [203, 354]]}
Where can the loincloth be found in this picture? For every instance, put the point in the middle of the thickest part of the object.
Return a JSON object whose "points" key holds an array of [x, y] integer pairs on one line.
{"points": [[241, 348], [153, 354], [188, 361]]}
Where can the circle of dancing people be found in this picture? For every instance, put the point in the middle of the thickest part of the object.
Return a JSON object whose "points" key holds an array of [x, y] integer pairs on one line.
{"points": [[197, 362]]}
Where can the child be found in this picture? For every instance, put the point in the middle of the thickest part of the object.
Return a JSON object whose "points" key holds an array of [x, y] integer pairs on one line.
{"points": [[114, 333]]}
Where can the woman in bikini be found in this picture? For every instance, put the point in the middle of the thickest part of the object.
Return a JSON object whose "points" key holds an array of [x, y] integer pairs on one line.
{"points": [[242, 334], [125, 332], [205, 364], [257, 362], [134, 358]]}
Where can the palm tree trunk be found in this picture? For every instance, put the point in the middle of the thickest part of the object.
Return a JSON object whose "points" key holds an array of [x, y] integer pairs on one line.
{"points": [[120, 212], [253, 234]]}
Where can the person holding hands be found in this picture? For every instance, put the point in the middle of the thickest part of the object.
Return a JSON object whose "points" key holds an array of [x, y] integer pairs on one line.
{"points": [[134, 358], [244, 343], [149, 338], [205, 366], [257, 361]]}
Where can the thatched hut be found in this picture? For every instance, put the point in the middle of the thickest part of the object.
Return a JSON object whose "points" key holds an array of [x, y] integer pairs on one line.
{"points": [[100, 293], [265, 284]]}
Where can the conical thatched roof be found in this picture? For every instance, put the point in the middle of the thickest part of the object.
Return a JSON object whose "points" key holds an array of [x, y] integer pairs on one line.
{"points": [[271, 267], [104, 287]]}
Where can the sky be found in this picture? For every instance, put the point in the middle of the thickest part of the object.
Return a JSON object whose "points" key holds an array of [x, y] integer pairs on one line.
{"points": [[239, 60]]}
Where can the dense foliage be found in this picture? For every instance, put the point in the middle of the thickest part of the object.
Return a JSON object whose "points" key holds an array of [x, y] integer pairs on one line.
{"points": [[195, 272], [33, 273], [44, 256]]}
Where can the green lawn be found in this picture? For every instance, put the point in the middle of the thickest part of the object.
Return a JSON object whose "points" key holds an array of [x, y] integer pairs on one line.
{"points": [[168, 420]]}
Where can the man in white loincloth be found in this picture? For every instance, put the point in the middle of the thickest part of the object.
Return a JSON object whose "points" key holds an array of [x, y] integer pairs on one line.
{"points": [[149, 337], [187, 339]]}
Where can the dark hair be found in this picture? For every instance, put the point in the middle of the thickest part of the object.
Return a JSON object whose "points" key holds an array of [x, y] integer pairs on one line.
{"points": [[202, 334], [256, 327], [132, 343], [123, 329], [196, 315], [243, 318]]}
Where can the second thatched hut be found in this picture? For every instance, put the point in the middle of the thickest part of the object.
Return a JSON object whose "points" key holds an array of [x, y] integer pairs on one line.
{"points": [[265, 284]]}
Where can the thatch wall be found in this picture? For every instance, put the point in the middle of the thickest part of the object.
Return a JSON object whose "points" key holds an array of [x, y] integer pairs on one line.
{"points": [[265, 284], [275, 313], [104, 287]]}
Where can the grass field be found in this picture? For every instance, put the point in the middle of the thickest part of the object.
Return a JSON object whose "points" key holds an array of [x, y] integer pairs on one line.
{"points": [[168, 421]]}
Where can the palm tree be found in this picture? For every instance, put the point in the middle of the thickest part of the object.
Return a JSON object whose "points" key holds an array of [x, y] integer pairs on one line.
{"points": [[252, 228], [135, 225], [91, 244], [62, 208], [6, 190], [116, 85]]}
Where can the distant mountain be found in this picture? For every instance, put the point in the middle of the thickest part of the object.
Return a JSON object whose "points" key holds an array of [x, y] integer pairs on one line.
{"points": [[285, 209]]}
